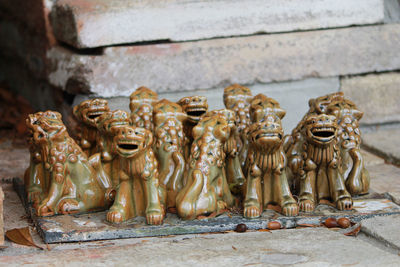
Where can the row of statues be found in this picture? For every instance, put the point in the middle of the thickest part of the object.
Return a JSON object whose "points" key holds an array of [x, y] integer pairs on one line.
{"points": [[182, 158]]}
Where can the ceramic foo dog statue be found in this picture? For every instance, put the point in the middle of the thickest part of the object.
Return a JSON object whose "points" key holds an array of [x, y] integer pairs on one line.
{"points": [[87, 114], [138, 192], [267, 182], [238, 99], [168, 120], [68, 183], [206, 192], [106, 161], [352, 164], [195, 108], [314, 157], [141, 106]]}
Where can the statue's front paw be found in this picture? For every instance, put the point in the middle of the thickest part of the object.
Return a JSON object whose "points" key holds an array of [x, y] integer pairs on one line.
{"points": [[154, 218], [290, 209], [306, 205], [115, 216], [69, 206], [44, 210], [345, 203], [251, 212]]}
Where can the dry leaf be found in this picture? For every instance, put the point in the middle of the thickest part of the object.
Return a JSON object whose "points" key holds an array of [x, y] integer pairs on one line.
{"points": [[307, 225], [234, 248], [21, 236], [354, 230]]}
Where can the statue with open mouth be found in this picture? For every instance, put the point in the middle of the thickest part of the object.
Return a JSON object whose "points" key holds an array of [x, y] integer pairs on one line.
{"points": [[87, 113], [267, 184], [138, 190]]}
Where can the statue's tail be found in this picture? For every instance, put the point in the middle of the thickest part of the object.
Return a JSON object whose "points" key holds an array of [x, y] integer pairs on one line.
{"points": [[187, 198]]}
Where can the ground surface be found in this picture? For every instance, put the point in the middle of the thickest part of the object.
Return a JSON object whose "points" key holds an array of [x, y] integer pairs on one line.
{"points": [[377, 245]]}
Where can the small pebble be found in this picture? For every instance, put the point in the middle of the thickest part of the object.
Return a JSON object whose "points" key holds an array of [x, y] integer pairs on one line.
{"points": [[241, 228]]}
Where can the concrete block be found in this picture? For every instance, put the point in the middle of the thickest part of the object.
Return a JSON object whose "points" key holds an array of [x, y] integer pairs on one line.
{"points": [[117, 71], [385, 229], [1, 217], [378, 95], [94, 23], [385, 143], [371, 159], [293, 97]]}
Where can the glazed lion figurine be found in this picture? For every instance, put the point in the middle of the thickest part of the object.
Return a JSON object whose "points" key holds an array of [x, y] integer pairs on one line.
{"points": [[106, 161], [234, 173], [87, 114], [267, 183], [138, 191], [168, 118], [72, 184], [315, 157], [35, 178], [141, 106], [206, 191], [238, 99], [195, 108]]}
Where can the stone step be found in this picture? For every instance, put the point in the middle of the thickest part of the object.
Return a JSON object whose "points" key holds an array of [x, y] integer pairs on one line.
{"points": [[117, 71], [94, 23], [378, 95]]}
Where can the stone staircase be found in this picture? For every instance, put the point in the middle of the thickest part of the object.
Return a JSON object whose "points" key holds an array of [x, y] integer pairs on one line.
{"points": [[57, 53]]}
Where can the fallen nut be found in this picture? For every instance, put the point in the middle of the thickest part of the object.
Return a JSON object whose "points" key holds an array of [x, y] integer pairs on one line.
{"points": [[331, 223], [344, 222], [274, 225]]}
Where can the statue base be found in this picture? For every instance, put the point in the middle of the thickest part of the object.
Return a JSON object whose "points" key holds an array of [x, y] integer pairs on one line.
{"points": [[93, 226]]}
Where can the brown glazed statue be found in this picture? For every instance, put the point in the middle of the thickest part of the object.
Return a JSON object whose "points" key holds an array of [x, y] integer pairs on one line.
{"points": [[141, 106], [35, 178], [352, 163], [138, 191], [195, 108], [234, 174], [206, 191], [168, 120], [106, 162], [238, 98], [267, 183], [70, 184], [314, 157], [87, 114]]}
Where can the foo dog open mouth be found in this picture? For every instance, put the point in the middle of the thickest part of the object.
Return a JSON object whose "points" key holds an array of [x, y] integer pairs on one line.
{"points": [[129, 141], [321, 129]]}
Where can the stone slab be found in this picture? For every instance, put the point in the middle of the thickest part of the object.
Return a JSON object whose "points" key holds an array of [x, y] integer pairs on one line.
{"points": [[117, 71], [89, 227], [384, 178], [385, 229], [1, 217], [292, 96], [384, 142], [299, 247], [94, 23], [371, 159], [378, 95]]}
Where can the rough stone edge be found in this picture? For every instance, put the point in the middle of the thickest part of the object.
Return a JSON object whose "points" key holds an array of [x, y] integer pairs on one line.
{"points": [[377, 236], [69, 28]]}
